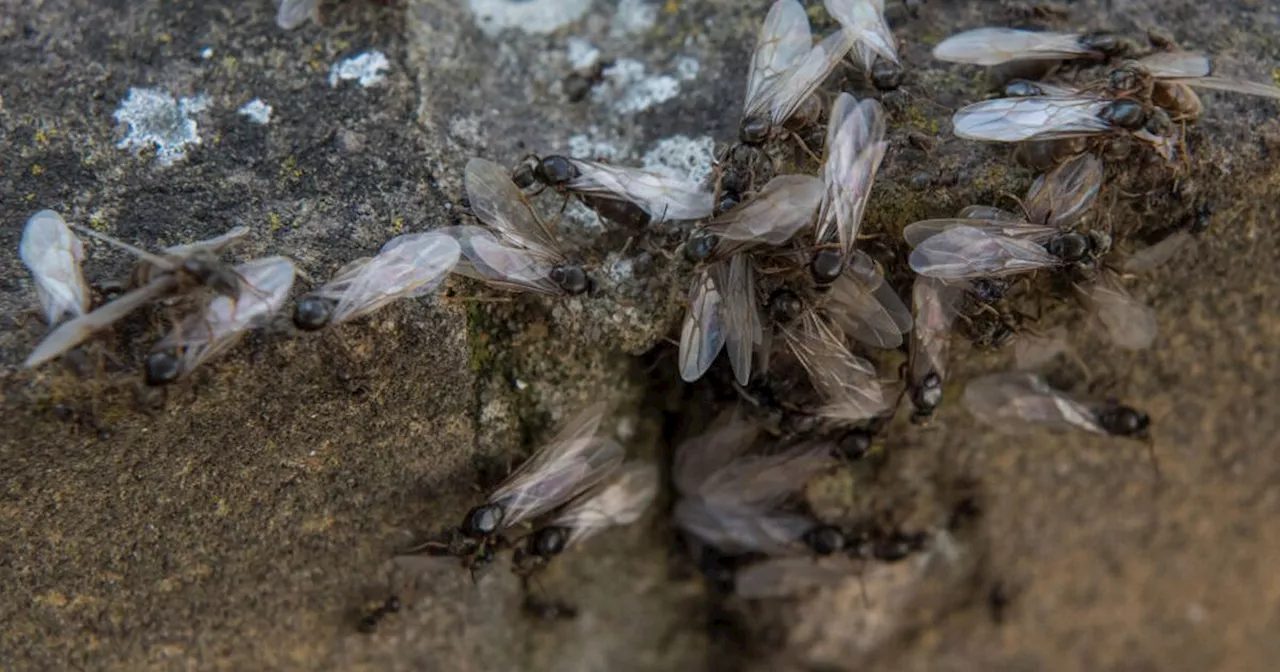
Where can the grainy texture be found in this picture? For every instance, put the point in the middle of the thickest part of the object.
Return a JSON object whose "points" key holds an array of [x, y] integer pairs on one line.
{"points": [[250, 523]]}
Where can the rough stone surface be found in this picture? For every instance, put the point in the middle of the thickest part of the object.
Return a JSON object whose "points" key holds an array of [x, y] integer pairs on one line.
{"points": [[251, 520]]}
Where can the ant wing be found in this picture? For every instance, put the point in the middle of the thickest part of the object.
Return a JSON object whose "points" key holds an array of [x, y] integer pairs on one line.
{"points": [[762, 482], [866, 307], [916, 233], [704, 332], [937, 304], [408, 266], [74, 332], [809, 73], [994, 46], [783, 41], [620, 500], [1009, 400], [864, 21], [740, 308], [783, 207], [847, 383], [698, 458], [53, 254], [661, 196], [506, 266], [214, 245], [498, 202], [1150, 258], [964, 252], [1038, 118], [1130, 324], [1061, 197], [1234, 86], [294, 13], [737, 531], [1175, 64], [853, 158]]}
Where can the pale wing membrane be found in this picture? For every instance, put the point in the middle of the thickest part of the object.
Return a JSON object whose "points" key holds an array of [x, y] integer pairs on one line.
{"points": [[704, 332], [847, 383], [216, 244], [744, 330], [782, 208], [790, 576], [225, 320], [807, 75], [936, 308], [1061, 197], [507, 266], [1004, 399], [294, 13], [994, 46], [867, 309], [852, 161], [1234, 86], [864, 21], [965, 252], [783, 41], [737, 531], [1150, 258], [53, 254], [619, 500], [1022, 119], [765, 481], [1129, 323], [661, 196], [1175, 64], [409, 265], [498, 202], [74, 332], [918, 232], [697, 459]]}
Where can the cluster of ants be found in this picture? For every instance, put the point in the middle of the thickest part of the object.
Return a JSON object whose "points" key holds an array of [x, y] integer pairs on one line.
{"points": [[777, 262]]}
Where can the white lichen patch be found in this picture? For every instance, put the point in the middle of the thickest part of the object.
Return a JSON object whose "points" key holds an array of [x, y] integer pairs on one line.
{"points": [[583, 146], [633, 16], [628, 86], [682, 156], [157, 119], [537, 17], [366, 69], [580, 54], [257, 111]]}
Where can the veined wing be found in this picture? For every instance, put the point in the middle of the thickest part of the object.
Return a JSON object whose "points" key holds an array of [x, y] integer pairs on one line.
{"points": [[53, 254], [1175, 64], [503, 265], [784, 40], [853, 158], [735, 531], [936, 305], [1061, 197], [215, 245], [864, 21], [619, 500], [964, 252], [993, 46], [409, 265], [1234, 86], [740, 312], [661, 196], [1005, 399], [1130, 324], [704, 331], [805, 78], [698, 458], [498, 202], [916, 233], [867, 308], [781, 209], [847, 383], [763, 482], [1038, 118], [71, 333]]}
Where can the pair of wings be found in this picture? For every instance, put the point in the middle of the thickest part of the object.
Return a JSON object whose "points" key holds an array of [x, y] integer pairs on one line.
{"points": [[936, 305], [53, 254], [568, 465], [848, 384], [723, 310], [619, 500], [1012, 401], [662, 197], [786, 66], [855, 147], [407, 266]]}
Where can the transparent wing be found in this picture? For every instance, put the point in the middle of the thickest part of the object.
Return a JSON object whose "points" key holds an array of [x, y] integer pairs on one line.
{"points": [[852, 161], [781, 209], [498, 202], [507, 266], [1234, 86], [699, 457], [409, 265], [1175, 64], [993, 46], [864, 21], [844, 105], [1032, 351], [1004, 400], [964, 252], [865, 306], [1039, 118], [619, 500], [740, 308], [1129, 323], [847, 383], [704, 331], [71, 333], [1061, 197], [736, 531], [916, 233], [989, 212], [572, 462], [1151, 258], [936, 305], [294, 13], [762, 482], [53, 254], [776, 578], [784, 40], [801, 81], [663, 197], [224, 320], [215, 245]]}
